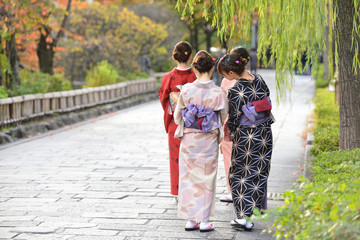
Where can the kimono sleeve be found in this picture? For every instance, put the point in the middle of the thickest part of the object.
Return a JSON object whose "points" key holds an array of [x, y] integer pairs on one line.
{"points": [[222, 106], [179, 106], [178, 116], [164, 93]]}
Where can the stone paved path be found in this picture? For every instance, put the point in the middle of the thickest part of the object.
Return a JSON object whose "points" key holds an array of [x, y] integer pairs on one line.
{"points": [[108, 178]]}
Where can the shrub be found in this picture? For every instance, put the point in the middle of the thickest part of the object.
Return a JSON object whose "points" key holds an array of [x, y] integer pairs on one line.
{"points": [[325, 139], [320, 82], [38, 82], [3, 93], [142, 75], [58, 83], [336, 167], [102, 74], [326, 133], [319, 212]]}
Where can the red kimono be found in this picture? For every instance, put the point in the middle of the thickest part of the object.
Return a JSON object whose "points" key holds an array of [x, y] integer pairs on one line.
{"points": [[168, 85]]}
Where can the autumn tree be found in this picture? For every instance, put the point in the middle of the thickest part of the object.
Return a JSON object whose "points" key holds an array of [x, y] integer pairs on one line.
{"points": [[162, 13], [289, 28], [48, 40], [9, 65], [107, 32], [19, 25]]}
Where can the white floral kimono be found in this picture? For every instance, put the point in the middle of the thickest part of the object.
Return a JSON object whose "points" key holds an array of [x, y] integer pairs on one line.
{"points": [[199, 150]]}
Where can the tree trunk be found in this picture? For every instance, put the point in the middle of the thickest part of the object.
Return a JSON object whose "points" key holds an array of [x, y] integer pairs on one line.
{"points": [[2, 82], [45, 52], [208, 40], [209, 31], [196, 39], [349, 102], [223, 43], [13, 58]]}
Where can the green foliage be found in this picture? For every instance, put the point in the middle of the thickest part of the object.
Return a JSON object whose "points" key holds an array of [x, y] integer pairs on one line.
{"points": [[102, 74], [38, 82], [109, 32], [320, 82], [162, 61], [286, 28], [141, 75], [105, 73], [3, 93], [336, 167], [163, 13], [319, 211], [326, 139], [327, 122]]}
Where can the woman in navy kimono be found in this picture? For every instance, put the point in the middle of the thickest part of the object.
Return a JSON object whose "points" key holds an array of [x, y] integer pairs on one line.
{"points": [[249, 125]]}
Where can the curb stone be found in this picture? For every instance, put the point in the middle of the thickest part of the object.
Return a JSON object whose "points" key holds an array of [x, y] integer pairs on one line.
{"points": [[308, 156]]}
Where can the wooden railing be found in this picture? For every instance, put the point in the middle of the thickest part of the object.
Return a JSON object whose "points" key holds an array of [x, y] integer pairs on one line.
{"points": [[17, 109]]}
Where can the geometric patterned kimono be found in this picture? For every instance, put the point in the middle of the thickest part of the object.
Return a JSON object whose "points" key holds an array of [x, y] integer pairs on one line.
{"points": [[170, 81], [252, 146], [199, 150]]}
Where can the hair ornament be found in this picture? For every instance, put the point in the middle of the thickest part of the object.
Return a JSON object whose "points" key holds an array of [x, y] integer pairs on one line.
{"points": [[248, 57], [186, 53], [214, 59], [237, 61]]}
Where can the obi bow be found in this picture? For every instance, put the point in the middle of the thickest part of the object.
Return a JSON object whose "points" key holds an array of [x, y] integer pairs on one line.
{"points": [[252, 109], [199, 117]]}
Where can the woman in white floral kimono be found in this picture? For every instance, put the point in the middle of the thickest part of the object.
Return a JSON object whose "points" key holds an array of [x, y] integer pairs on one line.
{"points": [[200, 114]]}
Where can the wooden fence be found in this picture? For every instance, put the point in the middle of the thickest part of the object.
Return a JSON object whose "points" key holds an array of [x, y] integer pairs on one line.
{"points": [[26, 107]]}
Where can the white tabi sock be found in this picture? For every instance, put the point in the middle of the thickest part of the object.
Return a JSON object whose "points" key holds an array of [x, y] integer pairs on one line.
{"points": [[241, 221], [190, 224], [204, 225]]}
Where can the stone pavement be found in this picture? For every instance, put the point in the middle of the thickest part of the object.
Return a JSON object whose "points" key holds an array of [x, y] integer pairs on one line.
{"points": [[108, 178]]}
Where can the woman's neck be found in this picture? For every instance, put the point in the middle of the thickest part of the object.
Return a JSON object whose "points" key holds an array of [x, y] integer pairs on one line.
{"points": [[182, 66], [204, 78], [246, 75]]}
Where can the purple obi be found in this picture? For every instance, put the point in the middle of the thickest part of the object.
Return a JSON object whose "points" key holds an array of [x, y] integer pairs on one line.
{"points": [[256, 112], [199, 117]]}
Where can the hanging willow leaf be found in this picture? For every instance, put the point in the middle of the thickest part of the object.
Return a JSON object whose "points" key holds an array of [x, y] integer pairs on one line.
{"points": [[288, 28]]}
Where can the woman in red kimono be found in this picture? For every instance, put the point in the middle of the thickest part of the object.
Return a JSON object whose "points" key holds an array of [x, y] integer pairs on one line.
{"points": [[168, 94]]}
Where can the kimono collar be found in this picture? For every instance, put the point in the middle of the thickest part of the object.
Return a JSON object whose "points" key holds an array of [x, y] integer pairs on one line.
{"points": [[248, 81], [182, 72]]}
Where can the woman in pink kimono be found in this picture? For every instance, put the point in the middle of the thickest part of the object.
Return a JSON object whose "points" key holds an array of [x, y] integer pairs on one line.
{"points": [[200, 114]]}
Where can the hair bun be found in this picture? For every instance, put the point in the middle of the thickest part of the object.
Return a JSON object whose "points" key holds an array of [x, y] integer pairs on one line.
{"points": [[182, 52], [203, 62], [232, 62]]}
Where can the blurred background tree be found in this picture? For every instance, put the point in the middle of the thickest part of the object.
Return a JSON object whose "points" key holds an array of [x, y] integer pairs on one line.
{"points": [[70, 38]]}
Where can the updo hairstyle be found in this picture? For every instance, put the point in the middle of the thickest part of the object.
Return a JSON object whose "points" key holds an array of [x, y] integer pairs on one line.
{"points": [[243, 52], [232, 62], [182, 52], [203, 62]]}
